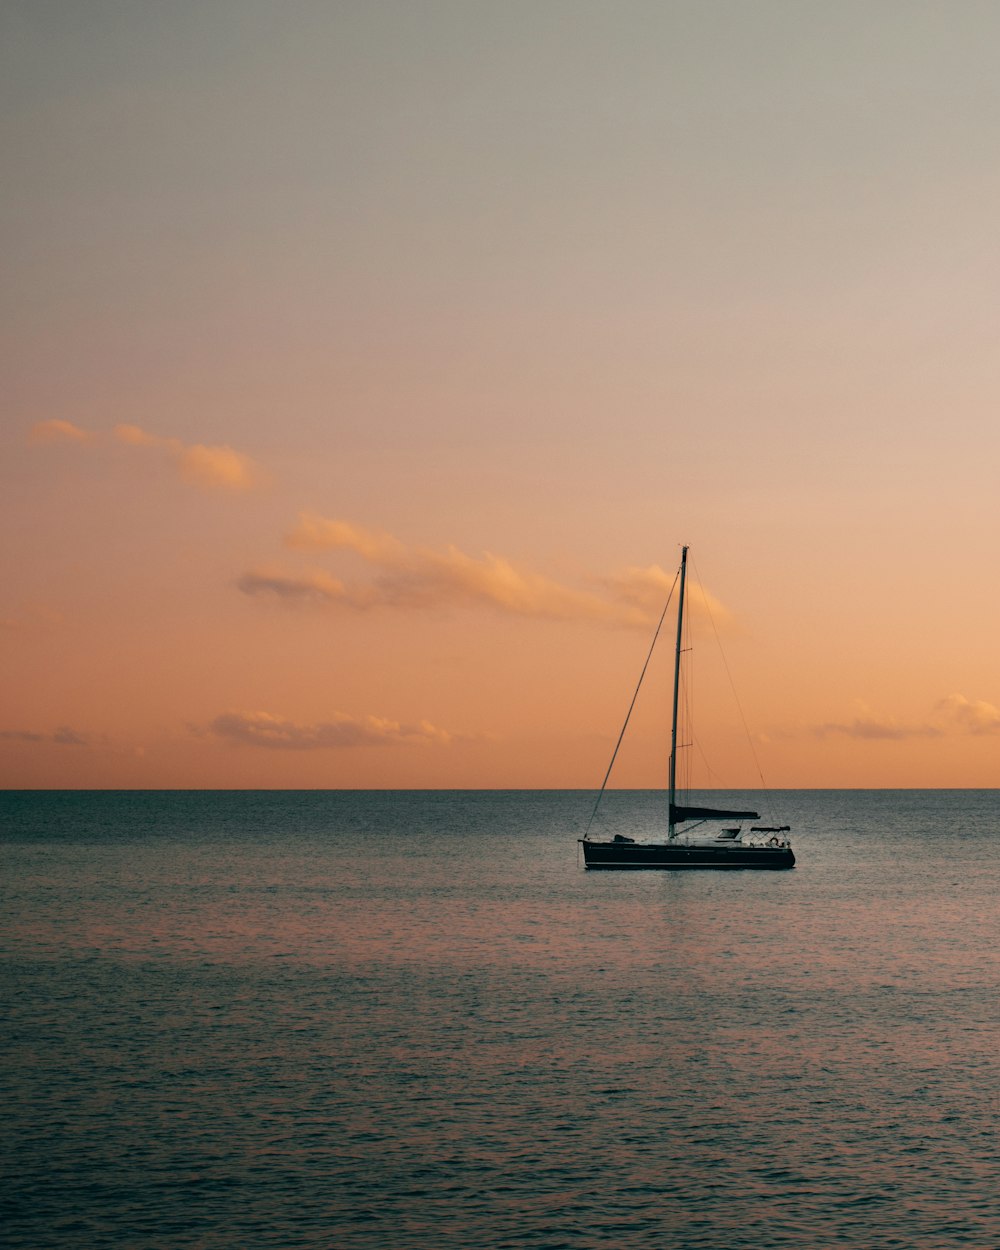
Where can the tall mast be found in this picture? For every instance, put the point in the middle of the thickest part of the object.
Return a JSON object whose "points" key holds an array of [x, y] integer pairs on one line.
{"points": [[672, 793]]}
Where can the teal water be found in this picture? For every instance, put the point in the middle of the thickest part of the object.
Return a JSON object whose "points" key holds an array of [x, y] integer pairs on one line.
{"points": [[367, 1020]]}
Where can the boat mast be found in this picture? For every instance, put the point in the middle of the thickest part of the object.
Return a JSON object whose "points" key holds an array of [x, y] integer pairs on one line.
{"points": [[672, 790]]}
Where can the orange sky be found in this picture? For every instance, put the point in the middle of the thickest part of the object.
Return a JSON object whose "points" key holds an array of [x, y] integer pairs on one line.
{"points": [[366, 366]]}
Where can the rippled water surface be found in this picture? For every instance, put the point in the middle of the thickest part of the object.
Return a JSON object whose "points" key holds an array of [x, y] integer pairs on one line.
{"points": [[412, 1020]]}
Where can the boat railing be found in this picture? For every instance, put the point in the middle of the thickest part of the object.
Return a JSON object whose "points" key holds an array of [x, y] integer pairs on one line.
{"points": [[769, 835]]}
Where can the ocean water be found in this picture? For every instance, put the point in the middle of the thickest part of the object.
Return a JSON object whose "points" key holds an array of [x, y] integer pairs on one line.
{"points": [[411, 1020]]}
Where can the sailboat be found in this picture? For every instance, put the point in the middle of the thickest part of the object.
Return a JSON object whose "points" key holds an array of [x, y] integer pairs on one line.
{"points": [[693, 838]]}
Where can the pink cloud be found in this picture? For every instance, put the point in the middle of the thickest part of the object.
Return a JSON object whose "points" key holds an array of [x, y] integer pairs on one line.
{"points": [[63, 736], [416, 577], [221, 466], [954, 714], [263, 729], [872, 728], [311, 587], [56, 431], [975, 716], [216, 467]]}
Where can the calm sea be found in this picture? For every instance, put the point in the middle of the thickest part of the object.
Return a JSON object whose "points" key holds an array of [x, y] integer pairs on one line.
{"points": [[411, 1020]]}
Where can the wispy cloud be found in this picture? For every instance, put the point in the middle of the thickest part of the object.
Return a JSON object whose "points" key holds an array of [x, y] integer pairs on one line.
{"points": [[63, 736], [314, 586], [873, 728], [216, 467], [647, 588], [263, 729], [205, 466], [320, 533], [420, 578], [952, 715], [56, 431], [974, 716]]}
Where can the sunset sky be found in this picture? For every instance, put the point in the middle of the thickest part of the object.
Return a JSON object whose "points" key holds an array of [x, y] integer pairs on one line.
{"points": [[367, 363]]}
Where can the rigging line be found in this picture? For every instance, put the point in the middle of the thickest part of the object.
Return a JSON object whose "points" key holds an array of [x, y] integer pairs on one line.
{"points": [[732, 687], [635, 696], [710, 772], [688, 676]]}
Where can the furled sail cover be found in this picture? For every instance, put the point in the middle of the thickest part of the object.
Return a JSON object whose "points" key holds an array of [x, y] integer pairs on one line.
{"points": [[679, 814]]}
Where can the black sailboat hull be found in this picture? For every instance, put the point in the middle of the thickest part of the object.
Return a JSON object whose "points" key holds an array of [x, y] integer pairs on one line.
{"points": [[667, 855]]}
